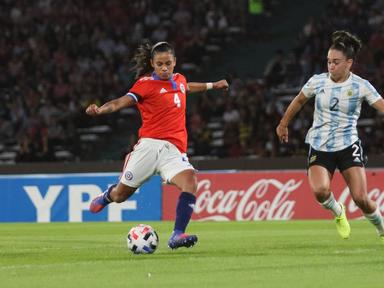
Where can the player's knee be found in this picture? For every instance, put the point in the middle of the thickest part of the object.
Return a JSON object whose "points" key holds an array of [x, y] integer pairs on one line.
{"points": [[190, 185], [321, 192], [191, 189]]}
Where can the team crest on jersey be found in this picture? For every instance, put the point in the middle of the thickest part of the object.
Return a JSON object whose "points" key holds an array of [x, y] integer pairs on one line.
{"points": [[182, 88], [313, 158], [128, 175], [350, 93]]}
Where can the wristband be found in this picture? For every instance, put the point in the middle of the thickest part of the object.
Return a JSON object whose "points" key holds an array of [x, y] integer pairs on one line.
{"points": [[209, 85]]}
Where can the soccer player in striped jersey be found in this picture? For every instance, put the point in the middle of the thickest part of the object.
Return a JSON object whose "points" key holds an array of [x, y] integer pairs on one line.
{"points": [[333, 140], [160, 95]]}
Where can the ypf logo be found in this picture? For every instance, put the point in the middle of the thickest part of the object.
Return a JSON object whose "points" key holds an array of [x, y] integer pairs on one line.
{"points": [[128, 175]]}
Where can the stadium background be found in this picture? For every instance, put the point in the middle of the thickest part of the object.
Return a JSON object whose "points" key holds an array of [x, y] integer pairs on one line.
{"points": [[56, 57], [59, 56]]}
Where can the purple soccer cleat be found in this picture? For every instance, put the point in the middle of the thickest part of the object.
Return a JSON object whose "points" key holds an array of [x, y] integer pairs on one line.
{"points": [[98, 204], [181, 240], [101, 200]]}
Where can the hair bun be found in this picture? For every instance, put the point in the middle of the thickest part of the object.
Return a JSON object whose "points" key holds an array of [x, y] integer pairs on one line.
{"points": [[347, 41]]}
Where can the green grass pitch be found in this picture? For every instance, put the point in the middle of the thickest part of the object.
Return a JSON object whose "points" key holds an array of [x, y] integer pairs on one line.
{"points": [[229, 254]]}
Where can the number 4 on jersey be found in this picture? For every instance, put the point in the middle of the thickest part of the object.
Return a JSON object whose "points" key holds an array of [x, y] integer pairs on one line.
{"points": [[176, 100]]}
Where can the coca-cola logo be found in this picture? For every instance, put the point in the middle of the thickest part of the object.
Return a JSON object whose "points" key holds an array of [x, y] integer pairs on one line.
{"points": [[265, 199]]}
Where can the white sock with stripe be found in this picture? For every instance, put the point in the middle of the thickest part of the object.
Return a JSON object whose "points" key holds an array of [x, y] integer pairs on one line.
{"points": [[333, 205], [376, 219]]}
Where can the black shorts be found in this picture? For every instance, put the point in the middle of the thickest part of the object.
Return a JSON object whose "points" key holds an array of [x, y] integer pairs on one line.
{"points": [[348, 157]]}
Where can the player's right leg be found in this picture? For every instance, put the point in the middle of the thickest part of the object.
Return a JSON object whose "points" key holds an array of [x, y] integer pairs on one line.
{"points": [[342, 224], [100, 201], [320, 174], [139, 166], [116, 193]]}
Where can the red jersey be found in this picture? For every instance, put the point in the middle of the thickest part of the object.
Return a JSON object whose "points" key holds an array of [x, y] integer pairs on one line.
{"points": [[162, 105]]}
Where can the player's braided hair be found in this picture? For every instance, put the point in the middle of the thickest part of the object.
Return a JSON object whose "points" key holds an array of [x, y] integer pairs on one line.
{"points": [[145, 52], [347, 43]]}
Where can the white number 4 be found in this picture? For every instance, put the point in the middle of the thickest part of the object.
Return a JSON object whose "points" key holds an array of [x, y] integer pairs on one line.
{"points": [[176, 100]]}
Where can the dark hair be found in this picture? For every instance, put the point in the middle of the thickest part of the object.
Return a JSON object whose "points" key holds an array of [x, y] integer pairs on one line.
{"points": [[347, 43], [145, 52]]}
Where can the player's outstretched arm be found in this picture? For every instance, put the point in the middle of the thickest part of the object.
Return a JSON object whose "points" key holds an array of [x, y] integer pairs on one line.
{"points": [[110, 106], [293, 108], [200, 87], [379, 105]]}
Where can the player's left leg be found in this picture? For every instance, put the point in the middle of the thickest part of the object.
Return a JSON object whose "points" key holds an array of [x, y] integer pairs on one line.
{"points": [[187, 183], [175, 168], [319, 178], [357, 182]]}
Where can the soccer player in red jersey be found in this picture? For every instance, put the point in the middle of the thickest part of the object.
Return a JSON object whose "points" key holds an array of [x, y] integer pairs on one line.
{"points": [[160, 96]]}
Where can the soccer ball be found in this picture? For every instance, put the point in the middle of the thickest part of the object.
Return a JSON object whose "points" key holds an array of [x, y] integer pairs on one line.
{"points": [[142, 239]]}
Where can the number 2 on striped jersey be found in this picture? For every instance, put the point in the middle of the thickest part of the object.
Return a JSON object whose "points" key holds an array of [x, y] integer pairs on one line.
{"points": [[334, 104], [176, 100]]}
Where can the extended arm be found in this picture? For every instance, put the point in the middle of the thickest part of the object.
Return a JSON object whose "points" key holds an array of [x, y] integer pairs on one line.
{"points": [[379, 105], [295, 106], [110, 106], [200, 87]]}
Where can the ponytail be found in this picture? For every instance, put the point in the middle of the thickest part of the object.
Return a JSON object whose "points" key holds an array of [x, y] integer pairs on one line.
{"points": [[347, 43], [142, 59], [145, 52]]}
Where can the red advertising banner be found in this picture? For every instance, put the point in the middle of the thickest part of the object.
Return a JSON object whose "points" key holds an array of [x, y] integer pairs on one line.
{"points": [[267, 195]]}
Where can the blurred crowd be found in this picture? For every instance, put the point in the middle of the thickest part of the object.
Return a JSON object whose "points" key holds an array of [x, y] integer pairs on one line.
{"points": [[59, 56], [254, 107]]}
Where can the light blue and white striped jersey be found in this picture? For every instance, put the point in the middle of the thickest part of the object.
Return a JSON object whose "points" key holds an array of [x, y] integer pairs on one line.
{"points": [[337, 109]]}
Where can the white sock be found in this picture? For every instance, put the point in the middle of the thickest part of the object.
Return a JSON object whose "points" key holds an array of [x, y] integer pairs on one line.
{"points": [[333, 205], [376, 219]]}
